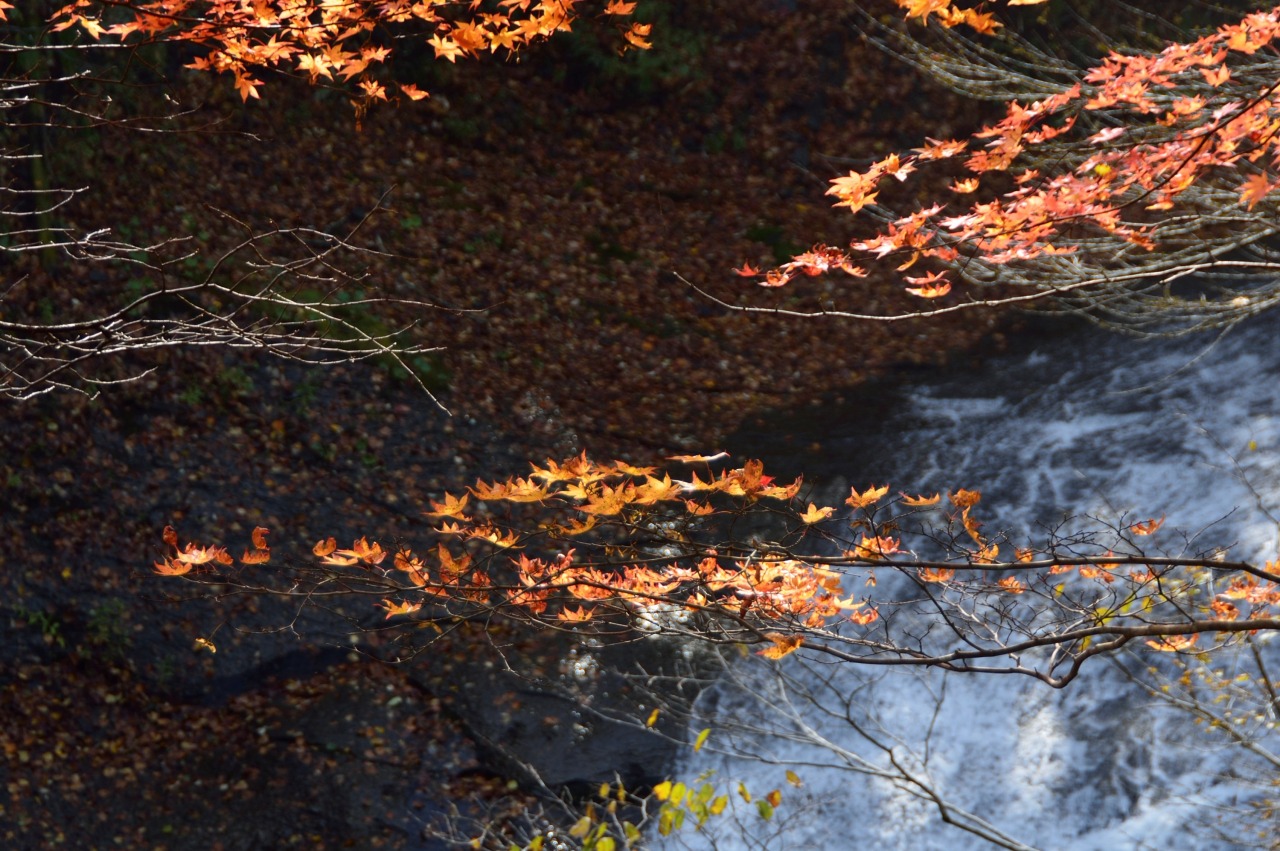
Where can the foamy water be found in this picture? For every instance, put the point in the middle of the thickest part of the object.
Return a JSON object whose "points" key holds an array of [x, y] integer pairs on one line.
{"points": [[1090, 425]]}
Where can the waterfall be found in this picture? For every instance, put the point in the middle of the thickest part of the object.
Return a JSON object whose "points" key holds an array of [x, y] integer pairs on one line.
{"points": [[1081, 424]]}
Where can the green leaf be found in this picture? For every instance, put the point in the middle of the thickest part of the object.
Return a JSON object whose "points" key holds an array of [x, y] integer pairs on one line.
{"points": [[606, 843], [765, 808]]}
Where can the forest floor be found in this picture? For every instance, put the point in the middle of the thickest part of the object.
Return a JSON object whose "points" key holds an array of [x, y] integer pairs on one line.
{"points": [[555, 208]]}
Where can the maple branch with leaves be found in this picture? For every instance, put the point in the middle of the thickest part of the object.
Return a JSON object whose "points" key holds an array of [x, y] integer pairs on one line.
{"points": [[1102, 190], [618, 551]]}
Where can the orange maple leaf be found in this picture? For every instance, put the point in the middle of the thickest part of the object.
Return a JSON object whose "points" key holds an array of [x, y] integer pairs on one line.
{"points": [[578, 615], [247, 86], [445, 47], [870, 496], [874, 548], [1224, 610], [1146, 527], [941, 150], [323, 548], [698, 459], [1173, 643], [169, 567], [412, 565], [1255, 189], [783, 645], [619, 7], [494, 535], [933, 285], [1216, 76], [201, 555], [413, 92], [630, 470], [919, 501], [403, 608], [451, 568], [362, 550], [986, 555], [815, 514], [636, 36], [866, 616], [451, 507], [1012, 585], [936, 574]]}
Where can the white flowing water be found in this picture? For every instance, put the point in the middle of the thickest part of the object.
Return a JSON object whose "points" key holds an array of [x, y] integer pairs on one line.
{"points": [[1084, 424]]}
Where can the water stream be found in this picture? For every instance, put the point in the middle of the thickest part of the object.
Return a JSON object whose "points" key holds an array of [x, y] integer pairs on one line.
{"points": [[1081, 423]]}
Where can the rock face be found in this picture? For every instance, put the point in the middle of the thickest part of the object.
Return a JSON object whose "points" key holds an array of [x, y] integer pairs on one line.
{"points": [[583, 721]]}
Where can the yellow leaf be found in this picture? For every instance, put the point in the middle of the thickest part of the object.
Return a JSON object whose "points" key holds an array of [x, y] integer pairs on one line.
{"points": [[701, 740], [581, 828], [794, 779], [653, 718], [205, 644]]}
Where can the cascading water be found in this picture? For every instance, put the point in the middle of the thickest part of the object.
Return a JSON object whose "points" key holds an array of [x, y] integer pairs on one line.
{"points": [[1084, 424]]}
